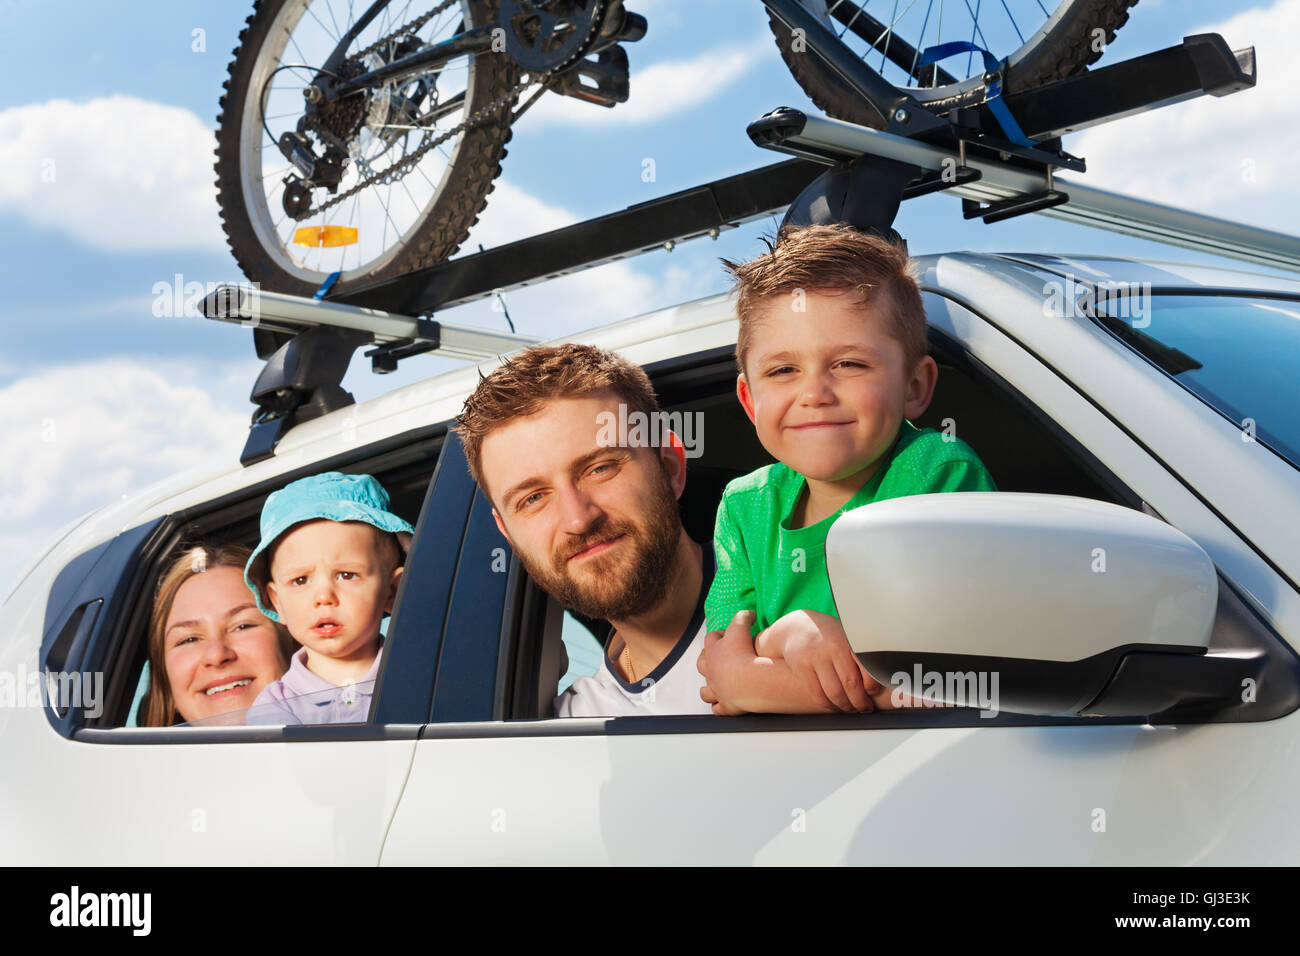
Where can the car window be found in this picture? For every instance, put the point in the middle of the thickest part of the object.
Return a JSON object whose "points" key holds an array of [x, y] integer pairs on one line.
{"points": [[1023, 452], [1239, 354], [126, 570]]}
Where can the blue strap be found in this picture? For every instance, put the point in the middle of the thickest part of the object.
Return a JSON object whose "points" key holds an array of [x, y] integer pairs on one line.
{"points": [[326, 285], [997, 106]]}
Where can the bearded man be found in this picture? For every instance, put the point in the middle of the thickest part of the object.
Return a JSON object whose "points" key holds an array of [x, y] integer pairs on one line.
{"points": [[595, 524]]}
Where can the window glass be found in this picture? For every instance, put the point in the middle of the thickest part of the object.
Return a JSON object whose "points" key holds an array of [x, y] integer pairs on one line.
{"points": [[349, 704], [1240, 354], [136, 714], [583, 649]]}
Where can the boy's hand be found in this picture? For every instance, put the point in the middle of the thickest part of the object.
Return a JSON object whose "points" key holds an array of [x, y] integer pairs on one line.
{"points": [[818, 652], [722, 661]]}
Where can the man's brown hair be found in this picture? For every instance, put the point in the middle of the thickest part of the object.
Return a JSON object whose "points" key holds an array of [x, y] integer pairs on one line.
{"points": [[833, 260], [525, 383]]}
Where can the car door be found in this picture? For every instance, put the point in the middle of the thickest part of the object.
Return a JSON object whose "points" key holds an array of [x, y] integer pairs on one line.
{"points": [[906, 788]]}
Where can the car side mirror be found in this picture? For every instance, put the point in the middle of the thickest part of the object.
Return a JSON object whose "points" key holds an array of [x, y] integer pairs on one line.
{"points": [[1020, 602]]}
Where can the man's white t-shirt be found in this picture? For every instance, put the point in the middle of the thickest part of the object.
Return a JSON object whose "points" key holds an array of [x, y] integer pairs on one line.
{"points": [[671, 688]]}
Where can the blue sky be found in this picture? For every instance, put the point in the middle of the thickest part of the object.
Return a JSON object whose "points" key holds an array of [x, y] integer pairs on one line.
{"points": [[99, 397]]}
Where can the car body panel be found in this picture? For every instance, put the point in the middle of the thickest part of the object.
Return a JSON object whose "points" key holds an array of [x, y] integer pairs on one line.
{"points": [[1116, 795]]}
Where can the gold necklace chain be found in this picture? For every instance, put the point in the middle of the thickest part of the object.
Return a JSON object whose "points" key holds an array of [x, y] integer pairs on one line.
{"points": [[627, 663]]}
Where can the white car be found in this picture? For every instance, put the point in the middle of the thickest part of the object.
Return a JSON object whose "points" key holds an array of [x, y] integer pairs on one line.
{"points": [[1174, 403]]}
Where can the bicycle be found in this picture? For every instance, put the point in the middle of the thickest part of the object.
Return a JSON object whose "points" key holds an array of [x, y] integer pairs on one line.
{"points": [[372, 105]]}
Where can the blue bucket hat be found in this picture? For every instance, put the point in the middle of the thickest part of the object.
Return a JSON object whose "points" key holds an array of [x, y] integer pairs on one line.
{"points": [[333, 496]]}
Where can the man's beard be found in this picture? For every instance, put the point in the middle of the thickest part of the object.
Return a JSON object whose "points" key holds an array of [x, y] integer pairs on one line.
{"points": [[619, 586]]}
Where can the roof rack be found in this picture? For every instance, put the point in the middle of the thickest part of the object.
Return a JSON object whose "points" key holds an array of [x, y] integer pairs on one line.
{"points": [[870, 173]]}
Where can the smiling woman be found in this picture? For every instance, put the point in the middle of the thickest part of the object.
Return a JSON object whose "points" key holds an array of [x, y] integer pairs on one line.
{"points": [[211, 651]]}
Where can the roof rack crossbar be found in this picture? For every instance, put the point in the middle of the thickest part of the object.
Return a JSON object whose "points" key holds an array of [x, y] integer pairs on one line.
{"points": [[246, 305], [831, 141]]}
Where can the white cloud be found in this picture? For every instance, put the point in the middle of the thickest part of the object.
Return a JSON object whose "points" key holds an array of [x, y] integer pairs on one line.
{"points": [[1231, 156], [78, 436], [661, 89], [117, 173]]}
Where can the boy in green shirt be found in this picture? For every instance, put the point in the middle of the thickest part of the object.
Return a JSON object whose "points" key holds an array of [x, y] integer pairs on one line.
{"points": [[833, 363]]}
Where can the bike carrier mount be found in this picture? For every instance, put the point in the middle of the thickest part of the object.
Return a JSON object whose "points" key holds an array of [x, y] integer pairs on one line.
{"points": [[308, 342]]}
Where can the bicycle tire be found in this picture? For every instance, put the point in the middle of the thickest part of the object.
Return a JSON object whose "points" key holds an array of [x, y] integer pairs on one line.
{"points": [[1065, 45], [435, 234]]}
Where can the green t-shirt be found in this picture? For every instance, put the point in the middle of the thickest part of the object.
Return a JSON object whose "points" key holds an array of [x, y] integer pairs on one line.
{"points": [[766, 566]]}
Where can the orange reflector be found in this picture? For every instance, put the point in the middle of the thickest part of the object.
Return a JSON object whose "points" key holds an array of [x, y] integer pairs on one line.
{"points": [[325, 236]]}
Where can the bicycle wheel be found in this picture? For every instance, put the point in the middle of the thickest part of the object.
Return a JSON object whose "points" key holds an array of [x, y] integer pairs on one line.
{"points": [[416, 220], [1042, 47]]}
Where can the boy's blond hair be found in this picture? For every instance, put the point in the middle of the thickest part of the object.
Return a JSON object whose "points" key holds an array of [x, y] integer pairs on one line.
{"points": [[833, 260]]}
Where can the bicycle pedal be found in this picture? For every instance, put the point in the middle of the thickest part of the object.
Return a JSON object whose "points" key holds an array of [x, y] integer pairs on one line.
{"points": [[606, 75]]}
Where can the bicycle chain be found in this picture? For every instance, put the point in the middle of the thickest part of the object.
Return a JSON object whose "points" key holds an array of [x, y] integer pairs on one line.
{"points": [[390, 175], [411, 27]]}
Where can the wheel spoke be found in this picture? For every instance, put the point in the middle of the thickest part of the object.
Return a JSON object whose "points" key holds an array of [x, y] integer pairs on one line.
{"points": [[1015, 26], [277, 172], [977, 31], [920, 42], [974, 27], [322, 26], [352, 221], [338, 34], [938, 38], [889, 32], [414, 205], [301, 57]]}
